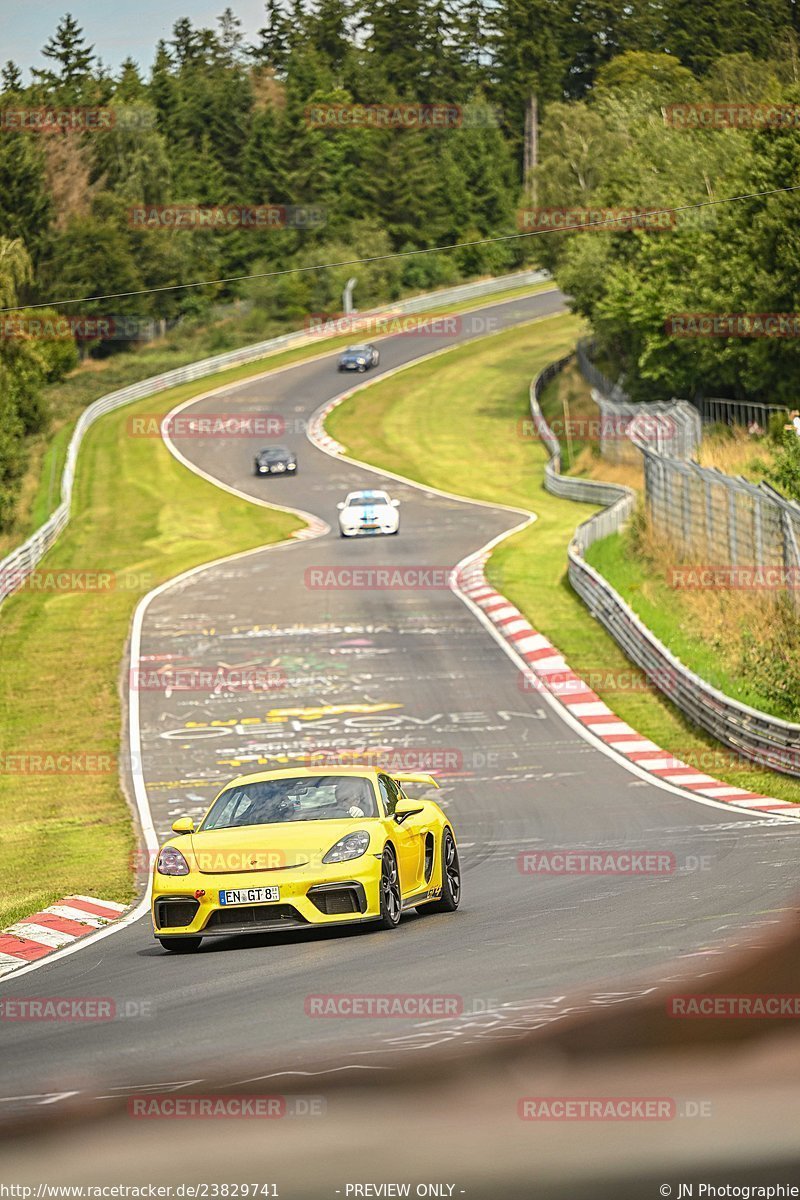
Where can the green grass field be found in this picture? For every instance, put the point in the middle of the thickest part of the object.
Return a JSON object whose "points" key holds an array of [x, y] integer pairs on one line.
{"points": [[439, 423]]}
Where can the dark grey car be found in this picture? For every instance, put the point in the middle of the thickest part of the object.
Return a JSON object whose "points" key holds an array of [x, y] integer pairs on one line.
{"points": [[359, 358], [275, 460]]}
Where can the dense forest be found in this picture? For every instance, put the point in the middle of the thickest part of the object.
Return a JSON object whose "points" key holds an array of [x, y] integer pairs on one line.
{"points": [[216, 120]]}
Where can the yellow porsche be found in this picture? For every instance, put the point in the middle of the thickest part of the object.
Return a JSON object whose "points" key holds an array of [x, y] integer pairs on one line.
{"points": [[305, 847]]}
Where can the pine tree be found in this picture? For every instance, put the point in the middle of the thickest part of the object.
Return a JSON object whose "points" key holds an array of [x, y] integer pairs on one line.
{"points": [[275, 39], [26, 209], [10, 78], [399, 45], [74, 62], [528, 57]]}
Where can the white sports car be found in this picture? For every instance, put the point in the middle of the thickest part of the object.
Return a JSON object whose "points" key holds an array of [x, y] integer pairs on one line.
{"points": [[368, 513]]}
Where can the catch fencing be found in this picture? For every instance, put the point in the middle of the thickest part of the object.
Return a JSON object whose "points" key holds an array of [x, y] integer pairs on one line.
{"points": [[709, 517], [18, 565], [672, 428], [765, 740]]}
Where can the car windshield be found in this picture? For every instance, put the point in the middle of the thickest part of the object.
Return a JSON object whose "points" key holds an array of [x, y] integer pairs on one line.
{"points": [[373, 499], [274, 451], [356, 349], [280, 801]]}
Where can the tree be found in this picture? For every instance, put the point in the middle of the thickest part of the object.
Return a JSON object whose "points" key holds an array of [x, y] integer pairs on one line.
{"points": [[73, 62], [527, 43], [275, 39], [697, 34], [659, 75], [22, 370], [400, 47], [26, 208], [132, 158], [10, 79]]}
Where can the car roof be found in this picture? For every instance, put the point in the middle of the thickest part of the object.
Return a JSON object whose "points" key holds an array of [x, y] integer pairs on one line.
{"points": [[307, 773], [358, 346], [275, 450], [367, 494]]}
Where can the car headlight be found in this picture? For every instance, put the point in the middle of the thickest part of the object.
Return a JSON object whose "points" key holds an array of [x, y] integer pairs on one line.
{"points": [[353, 845], [292, 466], [362, 362], [171, 862]]}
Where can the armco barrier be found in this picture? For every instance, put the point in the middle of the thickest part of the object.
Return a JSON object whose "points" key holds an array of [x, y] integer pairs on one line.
{"points": [[767, 741], [17, 566]]}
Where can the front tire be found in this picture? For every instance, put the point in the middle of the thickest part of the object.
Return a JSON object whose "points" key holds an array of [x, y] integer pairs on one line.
{"points": [[390, 893], [451, 878], [184, 945]]}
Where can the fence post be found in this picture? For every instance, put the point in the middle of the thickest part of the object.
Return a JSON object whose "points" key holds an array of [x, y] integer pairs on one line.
{"points": [[687, 511], [709, 517], [791, 558], [758, 532]]}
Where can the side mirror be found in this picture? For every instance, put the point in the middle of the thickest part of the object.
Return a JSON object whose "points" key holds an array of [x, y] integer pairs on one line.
{"points": [[395, 504], [406, 809], [340, 505], [183, 825]]}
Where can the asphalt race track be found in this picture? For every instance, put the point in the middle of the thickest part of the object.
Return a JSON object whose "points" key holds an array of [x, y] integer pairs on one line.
{"points": [[411, 669]]}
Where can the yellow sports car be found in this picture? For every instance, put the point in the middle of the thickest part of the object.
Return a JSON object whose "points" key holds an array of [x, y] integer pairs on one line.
{"points": [[305, 847]]}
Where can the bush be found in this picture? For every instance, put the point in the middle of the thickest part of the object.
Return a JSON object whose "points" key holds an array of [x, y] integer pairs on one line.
{"points": [[785, 474]]}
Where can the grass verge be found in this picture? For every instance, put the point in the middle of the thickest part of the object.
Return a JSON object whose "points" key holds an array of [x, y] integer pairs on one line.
{"points": [[440, 423], [744, 643]]}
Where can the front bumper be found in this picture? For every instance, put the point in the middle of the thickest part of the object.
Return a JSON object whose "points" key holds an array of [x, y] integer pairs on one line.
{"points": [[368, 531], [339, 894]]}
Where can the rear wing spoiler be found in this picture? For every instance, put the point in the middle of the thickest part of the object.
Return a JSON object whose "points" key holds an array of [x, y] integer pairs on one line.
{"points": [[405, 778]]}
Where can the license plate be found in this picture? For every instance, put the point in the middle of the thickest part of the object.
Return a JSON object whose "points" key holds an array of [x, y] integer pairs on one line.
{"points": [[250, 895]]}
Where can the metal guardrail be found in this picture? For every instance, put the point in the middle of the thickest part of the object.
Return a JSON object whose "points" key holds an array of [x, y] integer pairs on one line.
{"points": [[737, 412], [766, 741], [18, 565], [586, 491]]}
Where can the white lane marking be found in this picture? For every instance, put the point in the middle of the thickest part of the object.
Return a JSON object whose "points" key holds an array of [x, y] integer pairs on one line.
{"points": [[756, 803], [9, 963], [589, 708], [39, 933], [661, 764], [78, 914], [631, 747], [724, 790], [554, 663], [534, 641]]}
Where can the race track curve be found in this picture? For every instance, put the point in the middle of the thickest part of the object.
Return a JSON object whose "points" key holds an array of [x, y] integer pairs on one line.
{"points": [[430, 676]]}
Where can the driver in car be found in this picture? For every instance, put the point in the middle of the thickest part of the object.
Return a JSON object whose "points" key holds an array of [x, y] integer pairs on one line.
{"points": [[351, 800]]}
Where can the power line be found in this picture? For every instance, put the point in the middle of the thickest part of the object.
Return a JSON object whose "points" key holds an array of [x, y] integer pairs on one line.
{"points": [[354, 262]]}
